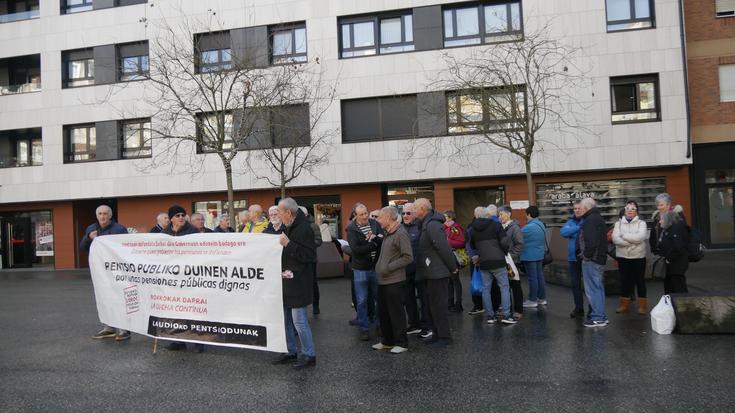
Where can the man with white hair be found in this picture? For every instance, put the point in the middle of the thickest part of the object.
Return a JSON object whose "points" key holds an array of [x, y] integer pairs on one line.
{"points": [[275, 226], [161, 223], [197, 220], [592, 250], [257, 223], [224, 224], [104, 226], [416, 322]]}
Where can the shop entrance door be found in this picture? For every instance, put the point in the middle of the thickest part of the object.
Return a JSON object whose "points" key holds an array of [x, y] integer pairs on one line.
{"points": [[17, 249], [721, 215]]}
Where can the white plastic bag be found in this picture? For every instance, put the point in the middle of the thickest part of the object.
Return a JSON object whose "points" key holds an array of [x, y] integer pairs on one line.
{"points": [[663, 318]]}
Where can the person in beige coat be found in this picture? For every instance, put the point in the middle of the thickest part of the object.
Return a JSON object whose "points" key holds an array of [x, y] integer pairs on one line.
{"points": [[629, 236]]}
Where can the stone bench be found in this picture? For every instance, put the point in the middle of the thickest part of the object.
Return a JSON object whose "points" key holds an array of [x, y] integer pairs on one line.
{"points": [[705, 313]]}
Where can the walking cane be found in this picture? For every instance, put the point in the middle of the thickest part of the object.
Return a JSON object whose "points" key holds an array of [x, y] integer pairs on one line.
{"points": [[155, 345]]}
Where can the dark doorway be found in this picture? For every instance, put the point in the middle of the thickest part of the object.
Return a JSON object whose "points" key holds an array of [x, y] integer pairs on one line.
{"points": [[17, 242], [466, 199], [84, 216]]}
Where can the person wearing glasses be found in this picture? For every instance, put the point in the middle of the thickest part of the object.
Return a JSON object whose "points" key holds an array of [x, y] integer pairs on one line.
{"points": [[629, 236], [416, 323]]}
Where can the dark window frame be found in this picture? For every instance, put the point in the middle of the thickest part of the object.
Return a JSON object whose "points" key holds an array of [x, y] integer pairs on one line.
{"points": [[137, 75], [485, 125], [86, 5], [288, 58], [482, 35], [218, 66], [200, 132], [636, 80], [381, 127], [70, 155], [633, 19], [375, 19], [145, 149], [69, 82]]}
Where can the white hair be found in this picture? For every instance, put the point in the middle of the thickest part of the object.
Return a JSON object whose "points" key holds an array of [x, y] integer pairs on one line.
{"points": [[289, 204], [492, 210], [107, 207], [588, 203], [304, 210], [481, 212], [392, 212]]}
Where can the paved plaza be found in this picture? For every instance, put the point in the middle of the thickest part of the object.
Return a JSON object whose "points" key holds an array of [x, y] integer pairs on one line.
{"points": [[546, 363]]}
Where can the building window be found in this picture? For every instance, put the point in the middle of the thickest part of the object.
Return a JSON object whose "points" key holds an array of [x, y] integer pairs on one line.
{"points": [[16, 10], [80, 72], [133, 68], [727, 83], [629, 14], [215, 60], [491, 110], [29, 152], [136, 138], [81, 143], [724, 8], [20, 74], [634, 99], [213, 52], [208, 125], [484, 23], [76, 6], [288, 44], [372, 35], [392, 117]]}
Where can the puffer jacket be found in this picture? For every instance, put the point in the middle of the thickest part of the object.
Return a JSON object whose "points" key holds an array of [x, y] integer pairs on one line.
{"points": [[534, 240], [435, 258], [570, 230], [489, 239], [630, 238]]}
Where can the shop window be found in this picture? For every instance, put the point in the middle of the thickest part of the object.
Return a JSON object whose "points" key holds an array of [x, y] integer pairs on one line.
{"points": [[492, 110], [380, 34], [288, 44], [629, 14], [26, 239], [483, 23], [397, 195], [136, 138], [635, 99], [213, 210], [724, 8], [719, 176], [727, 83]]}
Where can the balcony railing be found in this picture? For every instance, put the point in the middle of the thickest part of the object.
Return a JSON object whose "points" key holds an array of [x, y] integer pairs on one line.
{"points": [[16, 89], [14, 17]]}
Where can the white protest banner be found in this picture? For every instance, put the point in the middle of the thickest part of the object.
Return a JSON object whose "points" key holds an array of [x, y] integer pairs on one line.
{"points": [[221, 289]]}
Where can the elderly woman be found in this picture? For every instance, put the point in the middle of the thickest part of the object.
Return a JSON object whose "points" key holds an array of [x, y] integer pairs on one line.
{"points": [[672, 245], [456, 238], [629, 236]]}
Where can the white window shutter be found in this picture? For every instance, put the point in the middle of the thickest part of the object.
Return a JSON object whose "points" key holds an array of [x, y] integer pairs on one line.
{"points": [[724, 8], [727, 83]]}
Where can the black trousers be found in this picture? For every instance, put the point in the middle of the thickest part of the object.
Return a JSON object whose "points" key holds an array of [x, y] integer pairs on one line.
{"points": [[412, 308], [436, 298], [392, 317], [316, 289], [454, 291], [675, 283], [516, 295], [424, 314], [632, 272]]}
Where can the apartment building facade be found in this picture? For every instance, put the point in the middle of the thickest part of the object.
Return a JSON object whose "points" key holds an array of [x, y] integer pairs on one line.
{"points": [[65, 148]]}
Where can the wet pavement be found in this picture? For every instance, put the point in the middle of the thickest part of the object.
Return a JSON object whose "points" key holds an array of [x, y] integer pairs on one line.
{"points": [[548, 362]]}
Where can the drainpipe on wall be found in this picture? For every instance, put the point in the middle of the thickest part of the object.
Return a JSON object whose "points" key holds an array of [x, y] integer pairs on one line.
{"points": [[686, 77]]}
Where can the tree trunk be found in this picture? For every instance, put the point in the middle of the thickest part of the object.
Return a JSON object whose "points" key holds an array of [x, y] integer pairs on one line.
{"points": [[529, 183], [283, 180], [230, 195]]}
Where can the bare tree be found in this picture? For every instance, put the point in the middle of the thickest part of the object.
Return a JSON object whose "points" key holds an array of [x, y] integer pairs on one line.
{"points": [[512, 94]]}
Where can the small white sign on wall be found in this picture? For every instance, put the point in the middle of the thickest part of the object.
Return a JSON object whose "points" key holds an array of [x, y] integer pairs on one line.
{"points": [[519, 204]]}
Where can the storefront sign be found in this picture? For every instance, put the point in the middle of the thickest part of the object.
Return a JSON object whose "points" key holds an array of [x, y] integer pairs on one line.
{"points": [[519, 204], [220, 289]]}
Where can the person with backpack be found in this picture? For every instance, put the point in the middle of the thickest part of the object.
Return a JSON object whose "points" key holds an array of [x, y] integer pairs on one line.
{"points": [[672, 243], [629, 236]]}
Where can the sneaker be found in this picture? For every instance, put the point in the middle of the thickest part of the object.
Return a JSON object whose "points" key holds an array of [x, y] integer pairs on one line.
{"points": [[284, 359], [543, 302], [591, 323], [304, 363], [530, 304], [381, 346], [509, 320], [476, 311], [518, 316], [124, 335], [413, 330], [105, 333], [577, 313], [398, 350], [176, 346], [491, 320], [364, 335], [427, 334]]}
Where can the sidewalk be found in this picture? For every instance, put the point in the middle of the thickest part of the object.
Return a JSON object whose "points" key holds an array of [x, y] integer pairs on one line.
{"points": [[715, 273]]}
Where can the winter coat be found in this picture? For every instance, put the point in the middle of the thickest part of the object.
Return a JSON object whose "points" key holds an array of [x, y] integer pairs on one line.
{"points": [[298, 257], [488, 238], [515, 239], [656, 228], [111, 229], [471, 251], [395, 256], [534, 240], [630, 238], [271, 230], [156, 229], [256, 228], [414, 231], [435, 258], [672, 244], [361, 248], [570, 230], [455, 235], [592, 238], [219, 229], [185, 230]]}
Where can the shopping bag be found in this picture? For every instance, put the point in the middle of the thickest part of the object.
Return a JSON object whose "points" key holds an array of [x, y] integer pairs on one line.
{"points": [[461, 257], [663, 318], [476, 285], [513, 273]]}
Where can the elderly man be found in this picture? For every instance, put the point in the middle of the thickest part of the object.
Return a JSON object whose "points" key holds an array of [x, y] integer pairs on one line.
{"points": [[412, 227], [318, 242], [364, 236], [224, 224], [395, 256], [197, 221], [104, 226], [257, 223], [299, 252], [275, 226], [435, 264], [592, 250], [161, 223]]}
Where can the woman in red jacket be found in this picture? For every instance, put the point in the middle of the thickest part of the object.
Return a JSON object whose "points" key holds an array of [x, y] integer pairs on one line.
{"points": [[455, 236]]}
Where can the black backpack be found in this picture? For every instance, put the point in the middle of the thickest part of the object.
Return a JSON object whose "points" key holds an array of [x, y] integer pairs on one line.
{"points": [[695, 247]]}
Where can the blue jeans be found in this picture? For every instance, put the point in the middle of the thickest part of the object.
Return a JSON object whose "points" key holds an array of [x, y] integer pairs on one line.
{"points": [[501, 278], [297, 319], [575, 274], [365, 280], [536, 282], [594, 289]]}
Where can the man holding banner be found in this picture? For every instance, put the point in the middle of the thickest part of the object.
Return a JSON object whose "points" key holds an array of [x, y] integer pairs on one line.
{"points": [[299, 254]]}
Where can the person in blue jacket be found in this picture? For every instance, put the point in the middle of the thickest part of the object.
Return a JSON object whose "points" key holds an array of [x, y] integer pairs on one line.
{"points": [[570, 231], [532, 257]]}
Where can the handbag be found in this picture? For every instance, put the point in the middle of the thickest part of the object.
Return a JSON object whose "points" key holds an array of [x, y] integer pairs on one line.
{"points": [[513, 273], [658, 268], [612, 250], [462, 258], [548, 258], [476, 285]]}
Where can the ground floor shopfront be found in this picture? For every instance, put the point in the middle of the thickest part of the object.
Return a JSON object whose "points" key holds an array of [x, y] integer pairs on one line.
{"points": [[714, 192], [50, 232]]}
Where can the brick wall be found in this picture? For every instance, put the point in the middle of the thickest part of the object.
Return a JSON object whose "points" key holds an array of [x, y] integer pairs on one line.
{"points": [[701, 23], [704, 92]]}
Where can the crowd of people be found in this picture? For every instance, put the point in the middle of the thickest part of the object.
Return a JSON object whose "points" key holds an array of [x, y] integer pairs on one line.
{"points": [[405, 264]]}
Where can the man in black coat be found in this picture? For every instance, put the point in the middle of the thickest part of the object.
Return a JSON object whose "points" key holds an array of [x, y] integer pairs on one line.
{"points": [[162, 222], [592, 251], [299, 254]]}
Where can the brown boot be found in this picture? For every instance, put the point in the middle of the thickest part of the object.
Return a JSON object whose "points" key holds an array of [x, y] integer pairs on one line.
{"points": [[623, 307], [642, 306]]}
